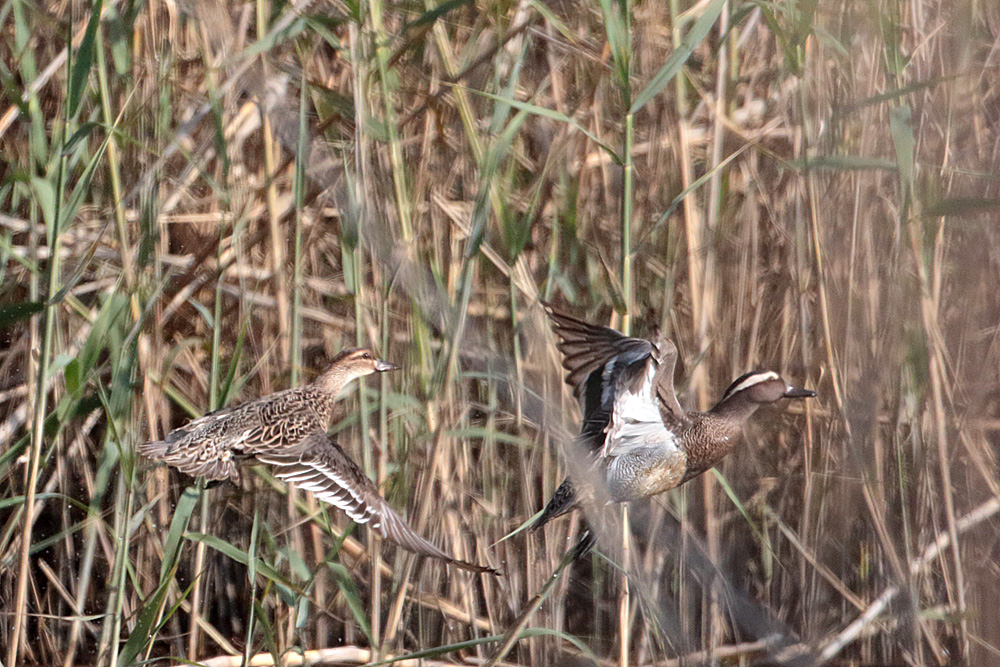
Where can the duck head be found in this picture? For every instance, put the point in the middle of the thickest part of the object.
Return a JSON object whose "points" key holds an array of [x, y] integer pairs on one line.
{"points": [[349, 365], [748, 392], [763, 387], [360, 361]]}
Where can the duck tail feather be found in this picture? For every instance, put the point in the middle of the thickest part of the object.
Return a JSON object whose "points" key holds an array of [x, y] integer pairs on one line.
{"points": [[562, 501]]}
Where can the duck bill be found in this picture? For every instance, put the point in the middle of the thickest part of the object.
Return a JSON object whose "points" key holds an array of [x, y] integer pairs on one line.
{"points": [[796, 392], [383, 366]]}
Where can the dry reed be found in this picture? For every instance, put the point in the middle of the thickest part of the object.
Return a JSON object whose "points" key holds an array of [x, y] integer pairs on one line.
{"points": [[203, 201]]}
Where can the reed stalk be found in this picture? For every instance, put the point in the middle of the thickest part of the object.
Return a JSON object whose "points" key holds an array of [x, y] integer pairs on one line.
{"points": [[39, 404]]}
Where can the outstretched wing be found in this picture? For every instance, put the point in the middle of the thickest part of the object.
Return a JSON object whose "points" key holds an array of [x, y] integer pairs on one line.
{"points": [[597, 358], [587, 348], [319, 465]]}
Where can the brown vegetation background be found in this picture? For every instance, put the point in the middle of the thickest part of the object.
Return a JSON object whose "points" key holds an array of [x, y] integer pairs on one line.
{"points": [[814, 192]]}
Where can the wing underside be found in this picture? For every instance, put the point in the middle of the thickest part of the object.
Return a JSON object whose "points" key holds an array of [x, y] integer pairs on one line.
{"points": [[595, 357], [636, 420], [320, 466], [602, 363]]}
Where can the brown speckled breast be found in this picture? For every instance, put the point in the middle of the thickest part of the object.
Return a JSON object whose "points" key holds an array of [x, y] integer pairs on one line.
{"points": [[707, 442]]}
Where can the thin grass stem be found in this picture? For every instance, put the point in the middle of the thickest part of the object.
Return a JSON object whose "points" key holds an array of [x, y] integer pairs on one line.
{"points": [[54, 228]]}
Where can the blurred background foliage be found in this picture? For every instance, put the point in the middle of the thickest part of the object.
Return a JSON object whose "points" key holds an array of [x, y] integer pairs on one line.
{"points": [[201, 202]]}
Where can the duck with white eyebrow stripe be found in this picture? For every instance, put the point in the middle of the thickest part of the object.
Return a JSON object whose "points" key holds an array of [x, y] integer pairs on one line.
{"points": [[642, 442]]}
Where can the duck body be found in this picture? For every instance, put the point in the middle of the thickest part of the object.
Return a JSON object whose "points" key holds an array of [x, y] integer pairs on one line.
{"points": [[641, 442], [212, 445]]}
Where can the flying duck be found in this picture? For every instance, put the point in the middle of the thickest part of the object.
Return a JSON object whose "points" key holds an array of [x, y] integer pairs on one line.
{"points": [[287, 430], [641, 440]]}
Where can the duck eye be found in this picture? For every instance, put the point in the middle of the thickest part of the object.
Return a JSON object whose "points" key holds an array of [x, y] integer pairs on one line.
{"points": [[366, 356]]}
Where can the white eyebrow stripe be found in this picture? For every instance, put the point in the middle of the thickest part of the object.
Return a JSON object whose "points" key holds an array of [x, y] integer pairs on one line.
{"points": [[757, 378]]}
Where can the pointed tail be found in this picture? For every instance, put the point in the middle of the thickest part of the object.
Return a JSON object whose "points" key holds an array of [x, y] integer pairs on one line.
{"points": [[154, 449], [562, 501]]}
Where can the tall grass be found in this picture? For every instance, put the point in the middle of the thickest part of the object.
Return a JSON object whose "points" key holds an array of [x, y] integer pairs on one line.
{"points": [[202, 203]]}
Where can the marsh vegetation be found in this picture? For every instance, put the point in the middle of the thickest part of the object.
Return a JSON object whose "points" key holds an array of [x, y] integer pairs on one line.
{"points": [[203, 202]]}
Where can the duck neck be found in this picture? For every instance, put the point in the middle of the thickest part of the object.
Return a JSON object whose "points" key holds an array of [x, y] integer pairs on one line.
{"points": [[735, 409], [334, 380], [716, 432]]}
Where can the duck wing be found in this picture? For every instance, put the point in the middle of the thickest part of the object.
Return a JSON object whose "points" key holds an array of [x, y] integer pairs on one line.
{"points": [[637, 421], [589, 347], [596, 357], [665, 353], [319, 465]]}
